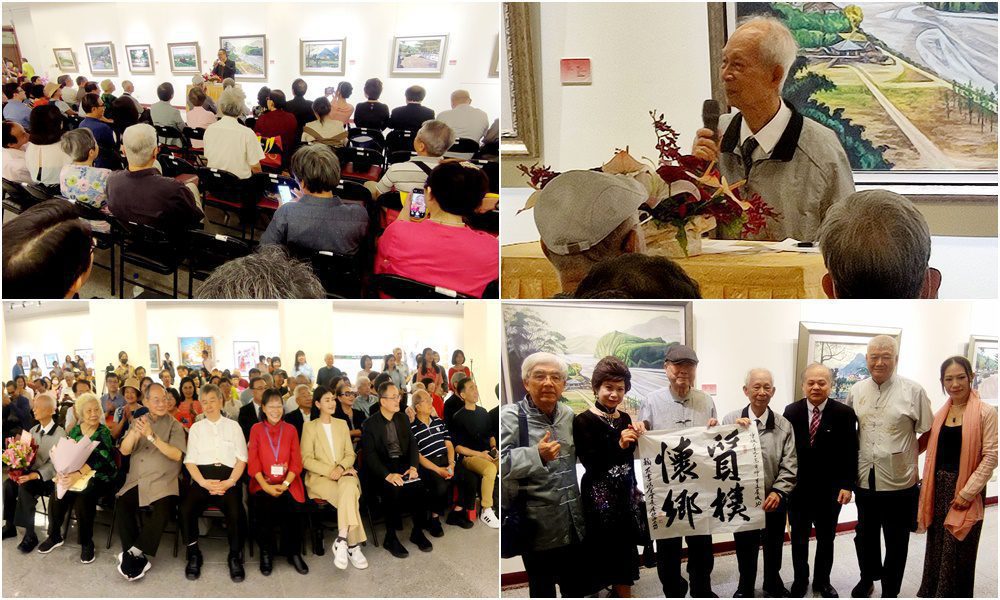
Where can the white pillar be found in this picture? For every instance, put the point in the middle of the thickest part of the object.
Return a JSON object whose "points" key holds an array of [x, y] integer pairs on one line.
{"points": [[481, 345]]}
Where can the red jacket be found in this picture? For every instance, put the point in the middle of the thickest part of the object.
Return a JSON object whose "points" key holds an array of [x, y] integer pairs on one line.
{"points": [[260, 455]]}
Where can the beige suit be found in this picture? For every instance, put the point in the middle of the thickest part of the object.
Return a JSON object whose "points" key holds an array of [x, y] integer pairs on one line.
{"points": [[319, 460]]}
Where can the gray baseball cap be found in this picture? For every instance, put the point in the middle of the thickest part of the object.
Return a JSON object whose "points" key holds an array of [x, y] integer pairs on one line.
{"points": [[677, 353], [578, 209]]}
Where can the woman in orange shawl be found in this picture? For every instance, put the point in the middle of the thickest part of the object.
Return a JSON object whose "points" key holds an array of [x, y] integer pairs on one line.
{"points": [[961, 455]]}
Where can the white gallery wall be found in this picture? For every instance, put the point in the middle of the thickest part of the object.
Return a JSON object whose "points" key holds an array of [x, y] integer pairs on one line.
{"points": [[369, 28]]}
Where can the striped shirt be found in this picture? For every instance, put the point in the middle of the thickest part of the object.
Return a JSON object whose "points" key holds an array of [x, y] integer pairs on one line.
{"points": [[430, 438], [405, 176]]}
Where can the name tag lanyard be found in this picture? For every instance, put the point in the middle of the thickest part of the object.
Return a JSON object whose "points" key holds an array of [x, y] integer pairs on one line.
{"points": [[277, 470]]}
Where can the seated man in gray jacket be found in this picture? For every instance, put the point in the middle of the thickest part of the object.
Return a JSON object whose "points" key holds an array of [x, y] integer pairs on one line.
{"points": [[544, 469], [795, 164], [777, 443], [20, 494]]}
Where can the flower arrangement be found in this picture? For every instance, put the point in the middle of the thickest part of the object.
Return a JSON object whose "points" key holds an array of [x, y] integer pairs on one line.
{"points": [[19, 454], [687, 195]]}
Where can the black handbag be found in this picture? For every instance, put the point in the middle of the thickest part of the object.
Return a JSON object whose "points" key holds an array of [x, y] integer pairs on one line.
{"points": [[517, 530]]}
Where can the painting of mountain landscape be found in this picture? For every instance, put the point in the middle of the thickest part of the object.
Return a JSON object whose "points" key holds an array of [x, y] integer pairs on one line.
{"points": [[908, 86]]}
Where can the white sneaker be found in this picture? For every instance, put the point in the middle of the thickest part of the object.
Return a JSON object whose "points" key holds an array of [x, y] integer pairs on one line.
{"points": [[357, 559], [489, 518], [340, 553]]}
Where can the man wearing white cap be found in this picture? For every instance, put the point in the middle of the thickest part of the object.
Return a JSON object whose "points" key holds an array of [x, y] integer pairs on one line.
{"points": [[585, 217], [209, 105]]}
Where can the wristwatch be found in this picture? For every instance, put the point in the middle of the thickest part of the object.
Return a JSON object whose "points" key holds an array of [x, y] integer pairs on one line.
{"points": [[150, 438], [285, 483]]}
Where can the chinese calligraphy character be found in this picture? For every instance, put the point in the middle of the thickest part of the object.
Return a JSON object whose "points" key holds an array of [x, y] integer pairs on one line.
{"points": [[682, 507], [732, 500], [680, 460], [725, 461]]}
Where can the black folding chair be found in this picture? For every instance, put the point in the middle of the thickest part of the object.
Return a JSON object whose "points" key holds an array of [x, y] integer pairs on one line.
{"points": [[173, 165], [41, 192], [400, 156], [395, 286], [269, 183], [105, 240], [361, 164], [208, 251], [73, 122], [340, 274], [147, 248], [492, 170], [352, 190], [15, 198], [360, 137], [489, 151], [400, 139], [194, 133], [167, 132], [229, 193], [463, 148]]}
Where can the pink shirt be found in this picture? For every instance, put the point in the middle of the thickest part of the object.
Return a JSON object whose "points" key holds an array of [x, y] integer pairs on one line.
{"points": [[403, 251], [199, 117], [342, 113]]}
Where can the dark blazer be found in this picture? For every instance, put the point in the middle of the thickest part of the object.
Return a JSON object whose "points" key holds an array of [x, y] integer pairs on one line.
{"points": [[374, 447], [832, 464], [295, 419], [371, 115], [227, 70], [248, 418], [149, 198], [410, 116]]}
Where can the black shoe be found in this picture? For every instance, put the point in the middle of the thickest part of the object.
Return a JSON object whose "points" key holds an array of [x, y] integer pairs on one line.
{"points": [[776, 591], [459, 518], [300, 565], [864, 589], [236, 572], [9, 532], [194, 561], [418, 538], [434, 527], [318, 548], [137, 567], [648, 557], [28, 543], [799, 587], [391, 543], [680, 592], [50, 544], [266, 563], [703, 593], [741, 593], [826, 591], [87, 553]]}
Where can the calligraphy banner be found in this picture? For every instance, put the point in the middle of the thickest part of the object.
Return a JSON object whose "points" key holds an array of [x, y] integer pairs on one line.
{"points": [[702, 481]]}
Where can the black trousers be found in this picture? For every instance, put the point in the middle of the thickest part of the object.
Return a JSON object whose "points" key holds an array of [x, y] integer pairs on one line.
{"points": [[146, 538], [19, 501], [748, 546], [197, 499], [394, 498], [890, 514], [561, 567], [283, 512], [85, 504], [438, 488], [699, 568], [806, 510]]}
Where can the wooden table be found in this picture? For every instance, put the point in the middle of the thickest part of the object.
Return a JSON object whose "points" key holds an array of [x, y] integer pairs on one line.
{"points": [[526, 273]]}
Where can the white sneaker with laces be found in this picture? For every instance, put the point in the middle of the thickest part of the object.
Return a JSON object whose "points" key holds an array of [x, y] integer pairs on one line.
{"points": [[340, 553], [489, 518], [357, 559]]}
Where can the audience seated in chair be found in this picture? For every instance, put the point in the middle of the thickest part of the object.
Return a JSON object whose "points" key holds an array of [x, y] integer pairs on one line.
{"points": [[16, 109], [197, 115], [278, 122], [412, 114], [165, 115], [229, 146], [15, 138], [299, 106], [262, 95], [108, 97], [127, 92], [347, 397], [637, 276], [431, 142], [318, 220], [198, 82], [324, 129], [126, 115], [268, 273], [141, 195], [46, 252], [476, 446], [465, 120], [53, 91], [303, 407], [80, 180], [454, 191], [94, 109], [43, 155], [341, 109], [372, 114], [69, 92]]}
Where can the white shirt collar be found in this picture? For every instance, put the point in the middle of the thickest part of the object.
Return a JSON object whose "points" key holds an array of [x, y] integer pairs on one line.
{"points": [[769, 134], [822, 405], [763, 418], [47, 430]]}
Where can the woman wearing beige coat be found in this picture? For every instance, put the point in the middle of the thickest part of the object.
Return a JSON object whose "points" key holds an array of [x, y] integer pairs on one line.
{"points": [[328, 458]]}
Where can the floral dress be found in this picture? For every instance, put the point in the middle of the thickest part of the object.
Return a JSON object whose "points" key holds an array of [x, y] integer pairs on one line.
{"points": [[81, 183]]}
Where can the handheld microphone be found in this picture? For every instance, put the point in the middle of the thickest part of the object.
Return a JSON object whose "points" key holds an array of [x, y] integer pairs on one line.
{"points": [[710, 116]]}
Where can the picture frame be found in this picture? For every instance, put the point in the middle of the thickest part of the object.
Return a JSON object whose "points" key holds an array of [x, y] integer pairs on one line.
{"points": [[66, 60], [191, 348], [154, 356], [842, 348], [101, 57], [249, 52], [140, 59], [49, 358], [916, 156], [87, 354], [495, 58], [982, 353], [245, 355], [185, 57], [322, 57], [637, 332], [418, 55], [519, 136]]}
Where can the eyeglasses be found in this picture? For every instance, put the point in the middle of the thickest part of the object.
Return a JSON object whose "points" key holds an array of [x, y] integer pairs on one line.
{"points": [[542, 377], [396, 397], [353, 394]]}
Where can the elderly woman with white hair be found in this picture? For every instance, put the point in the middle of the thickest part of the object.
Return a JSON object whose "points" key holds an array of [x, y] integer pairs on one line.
{"points": [[80, 180], [230, 146], [538, 457], [87, 485], [141, 195]]}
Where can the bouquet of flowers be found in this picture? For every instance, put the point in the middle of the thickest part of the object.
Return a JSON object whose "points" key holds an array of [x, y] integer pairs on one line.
{"points": [[687, 195], [19, 454]]}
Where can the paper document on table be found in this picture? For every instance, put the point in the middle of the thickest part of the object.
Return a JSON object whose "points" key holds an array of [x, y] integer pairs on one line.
{"points": [[729, 247], [792, 245]]}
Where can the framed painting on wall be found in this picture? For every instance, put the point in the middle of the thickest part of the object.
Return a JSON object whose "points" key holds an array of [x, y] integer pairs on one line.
{"points": [[418, 55], [185, 57], [140, 59], [842, 348], [192, 347], [249, 52], [49, 359], [910, 87], [101, 56], [154, 356], [245, 354], [321, 57], [982, 354], [495, 59], [584, 332], [87, 354], [520, 116], [65, 60]]}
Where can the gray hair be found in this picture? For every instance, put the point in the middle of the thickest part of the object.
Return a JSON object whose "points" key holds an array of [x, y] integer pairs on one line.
{"points": [[211, 388], [301, 386], [776, 44], [228, 82], [543, 358], [880, 342], [127, 84], [78, 143], [460, 97], [875, 244], [197, 79], [816, 365], [231, 102], [82, 401], [139, 141], [750, 372], [47, 397], [437, 136], [317, 167], [610, 247], [267, 273], [419, 396]]}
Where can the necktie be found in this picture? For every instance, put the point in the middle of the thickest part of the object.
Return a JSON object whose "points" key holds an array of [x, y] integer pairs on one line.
{"points": [[757, 423], [813, 426], [746, 151]]}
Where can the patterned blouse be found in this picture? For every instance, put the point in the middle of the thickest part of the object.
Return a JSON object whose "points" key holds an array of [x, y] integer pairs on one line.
{"points": [[102, 459], [85, 184]]}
